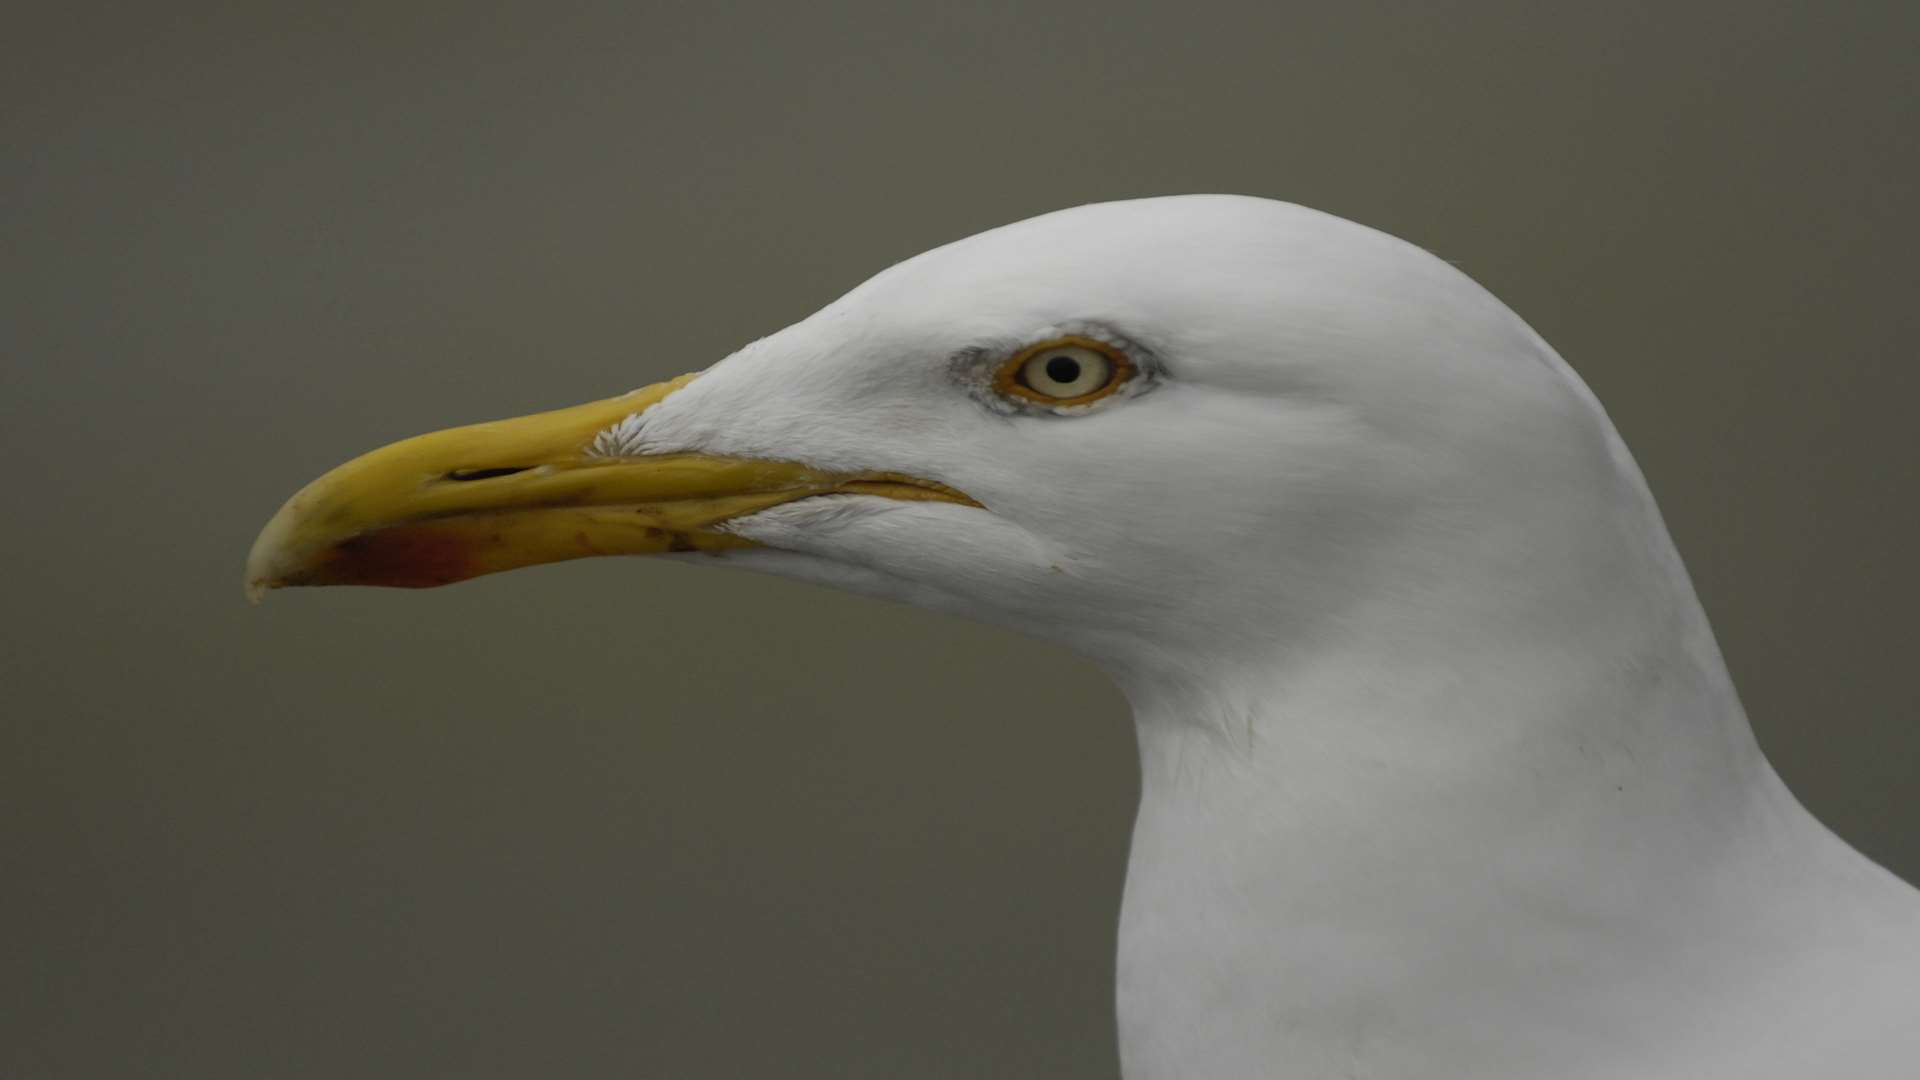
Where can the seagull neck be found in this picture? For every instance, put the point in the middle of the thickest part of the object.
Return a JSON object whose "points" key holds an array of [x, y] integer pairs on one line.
{"points": [[1328, 842]]}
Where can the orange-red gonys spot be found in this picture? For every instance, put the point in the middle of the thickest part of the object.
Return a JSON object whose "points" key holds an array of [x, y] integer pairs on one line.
{"points": [[418, 555]]}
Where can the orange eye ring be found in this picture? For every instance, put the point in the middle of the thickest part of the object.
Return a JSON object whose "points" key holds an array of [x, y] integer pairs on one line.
{"points": [[1064, 371]]}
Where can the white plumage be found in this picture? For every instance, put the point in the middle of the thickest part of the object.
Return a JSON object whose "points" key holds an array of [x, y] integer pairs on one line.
{"points": [[1443, 772]]}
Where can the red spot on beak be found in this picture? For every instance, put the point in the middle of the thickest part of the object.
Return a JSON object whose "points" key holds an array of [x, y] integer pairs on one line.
{"points": [[413, 556]]}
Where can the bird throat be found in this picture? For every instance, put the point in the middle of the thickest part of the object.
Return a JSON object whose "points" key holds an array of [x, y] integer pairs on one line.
{"points": [[1368, 869]]}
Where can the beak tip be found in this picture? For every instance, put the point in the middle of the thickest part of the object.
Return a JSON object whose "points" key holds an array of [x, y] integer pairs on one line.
{"points": [[268, 561]]}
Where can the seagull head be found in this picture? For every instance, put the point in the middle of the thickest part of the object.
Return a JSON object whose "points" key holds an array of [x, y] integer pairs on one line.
{"points": [[1432, 728], [1159, 431]]}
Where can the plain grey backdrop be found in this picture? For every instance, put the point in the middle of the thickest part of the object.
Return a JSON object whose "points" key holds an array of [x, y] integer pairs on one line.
{"points": [[632, 819]]}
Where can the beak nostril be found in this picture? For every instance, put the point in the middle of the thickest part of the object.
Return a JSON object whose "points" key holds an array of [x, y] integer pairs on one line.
{"points": [[485, 474]]}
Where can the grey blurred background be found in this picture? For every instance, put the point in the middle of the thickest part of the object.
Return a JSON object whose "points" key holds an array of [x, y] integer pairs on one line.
{"points": [[635, 819]]}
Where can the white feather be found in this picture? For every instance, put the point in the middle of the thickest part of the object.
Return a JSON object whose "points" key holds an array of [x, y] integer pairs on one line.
{"points": [[1443, 775]]}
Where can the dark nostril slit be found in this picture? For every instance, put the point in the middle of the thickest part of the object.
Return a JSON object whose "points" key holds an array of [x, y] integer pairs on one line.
{"points": [[485, 474]]}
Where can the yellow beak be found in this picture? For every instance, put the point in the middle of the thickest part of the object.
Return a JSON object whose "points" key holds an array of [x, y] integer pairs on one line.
{"points": [[456, 504]]}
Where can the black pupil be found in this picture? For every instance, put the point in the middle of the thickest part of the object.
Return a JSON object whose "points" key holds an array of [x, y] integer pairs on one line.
{"points": [[1063, 369]]}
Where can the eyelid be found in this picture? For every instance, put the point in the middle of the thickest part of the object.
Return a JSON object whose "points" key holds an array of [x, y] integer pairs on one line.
{"points": [[1006, 379]]}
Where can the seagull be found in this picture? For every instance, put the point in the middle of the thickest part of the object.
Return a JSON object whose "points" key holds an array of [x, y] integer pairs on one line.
{"points": [[1442, 772]]}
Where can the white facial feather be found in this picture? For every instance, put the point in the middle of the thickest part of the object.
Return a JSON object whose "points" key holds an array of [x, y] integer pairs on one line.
{"points": [[1441, 770], [1321, 401]]}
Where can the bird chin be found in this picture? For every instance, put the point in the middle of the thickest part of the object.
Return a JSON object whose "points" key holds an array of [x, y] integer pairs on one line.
{"points": [[841, 576], [904, 552]]}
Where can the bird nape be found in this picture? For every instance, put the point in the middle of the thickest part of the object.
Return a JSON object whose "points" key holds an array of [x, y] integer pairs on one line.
{"points": [[1442, 771]]}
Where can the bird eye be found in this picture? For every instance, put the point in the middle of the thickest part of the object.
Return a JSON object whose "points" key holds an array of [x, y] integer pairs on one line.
{"points": [[1069, 371]]}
